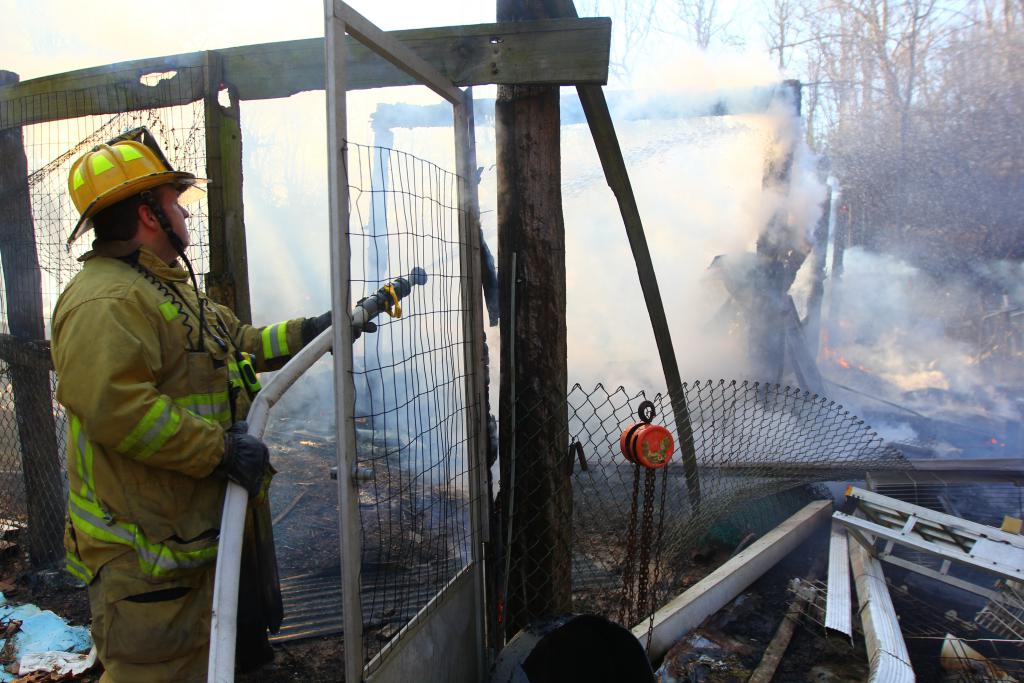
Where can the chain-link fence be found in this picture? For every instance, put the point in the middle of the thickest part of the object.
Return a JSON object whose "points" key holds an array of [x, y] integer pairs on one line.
{"points": [[632, 529], [37, 265]]}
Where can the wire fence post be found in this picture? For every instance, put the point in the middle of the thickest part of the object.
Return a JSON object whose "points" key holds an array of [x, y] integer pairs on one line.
{"points": [[40, 460]]}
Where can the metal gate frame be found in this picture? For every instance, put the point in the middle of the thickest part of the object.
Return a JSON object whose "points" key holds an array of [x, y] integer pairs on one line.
{"points": [[441, 625]]}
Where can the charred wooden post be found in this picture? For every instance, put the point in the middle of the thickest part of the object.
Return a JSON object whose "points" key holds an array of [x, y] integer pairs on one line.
{"points": [[841, 234], [781, 254], [812, 324], [537, 499], [228, 279], [33, 399]]}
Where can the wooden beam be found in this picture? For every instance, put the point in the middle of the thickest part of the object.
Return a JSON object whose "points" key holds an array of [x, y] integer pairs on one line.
{"points": [[32, 354], [686, 611], [33, 397], [533, 431], [227, 281], [772, 657], [393, 51], [548, 52], [551, 52], [102, 90]]}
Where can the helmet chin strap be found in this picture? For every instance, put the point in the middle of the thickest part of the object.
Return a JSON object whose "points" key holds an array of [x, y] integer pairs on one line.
{"points": [[179, 247]]}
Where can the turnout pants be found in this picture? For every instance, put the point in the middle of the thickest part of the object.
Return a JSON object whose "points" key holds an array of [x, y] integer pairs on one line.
{"points": [[157, 630], [151, 630]]}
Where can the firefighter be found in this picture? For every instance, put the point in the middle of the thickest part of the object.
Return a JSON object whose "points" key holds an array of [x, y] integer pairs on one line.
{"points": [[153, 377]]}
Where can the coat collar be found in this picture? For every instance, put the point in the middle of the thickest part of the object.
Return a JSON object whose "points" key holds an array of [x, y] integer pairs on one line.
{"points": [[142, 255]]}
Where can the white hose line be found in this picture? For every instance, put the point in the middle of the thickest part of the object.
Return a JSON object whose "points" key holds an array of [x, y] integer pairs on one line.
{"points": [[221, 667]]}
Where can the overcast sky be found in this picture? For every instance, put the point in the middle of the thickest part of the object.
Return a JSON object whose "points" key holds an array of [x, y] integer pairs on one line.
{"points": [[40, 38]]}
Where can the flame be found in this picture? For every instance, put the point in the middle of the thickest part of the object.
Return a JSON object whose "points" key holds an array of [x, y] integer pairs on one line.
{"points": [[306, 442], [830, 354]]}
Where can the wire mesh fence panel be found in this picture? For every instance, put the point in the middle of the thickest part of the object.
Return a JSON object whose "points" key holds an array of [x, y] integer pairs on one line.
{"points": [[49, 150], [411, 411], [632, 528], [944, 644]]}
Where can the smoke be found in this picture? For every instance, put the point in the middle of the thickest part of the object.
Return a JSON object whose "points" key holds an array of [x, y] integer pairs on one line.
{"points": [[698, 182], [897, 333]]}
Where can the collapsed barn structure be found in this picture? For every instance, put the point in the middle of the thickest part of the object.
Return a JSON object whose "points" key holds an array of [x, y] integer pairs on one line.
{"points": [[439, 512]]}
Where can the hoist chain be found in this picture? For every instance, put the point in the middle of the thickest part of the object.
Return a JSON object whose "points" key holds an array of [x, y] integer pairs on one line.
{"points": [[657, 556], [646, 536], [636, 570], [628, 605]]}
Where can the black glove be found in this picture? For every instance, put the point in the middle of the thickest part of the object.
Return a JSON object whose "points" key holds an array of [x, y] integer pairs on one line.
{"points": [[312, 327], [245, 459]]}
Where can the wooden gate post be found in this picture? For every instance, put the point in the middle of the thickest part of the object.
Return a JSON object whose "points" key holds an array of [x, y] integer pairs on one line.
{"points": [[537, 498], [227, 281], [33, 399]]}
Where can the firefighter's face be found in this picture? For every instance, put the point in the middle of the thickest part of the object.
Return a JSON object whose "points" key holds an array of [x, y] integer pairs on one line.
{"points": [[175, 212]]}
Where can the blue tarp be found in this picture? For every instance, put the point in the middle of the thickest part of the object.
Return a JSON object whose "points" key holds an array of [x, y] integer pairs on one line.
{"points": [[41, 631]]}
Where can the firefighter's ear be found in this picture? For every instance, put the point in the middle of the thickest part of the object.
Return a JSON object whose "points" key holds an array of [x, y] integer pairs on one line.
{"points": [[144, 214], [147, 220]]}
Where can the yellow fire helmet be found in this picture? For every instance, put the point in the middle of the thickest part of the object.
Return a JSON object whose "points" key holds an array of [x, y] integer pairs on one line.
{"points": [[119, 169]]}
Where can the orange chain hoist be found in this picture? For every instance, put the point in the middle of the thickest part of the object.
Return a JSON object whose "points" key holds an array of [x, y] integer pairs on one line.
{"points": [[649, 447], [647, 444]]}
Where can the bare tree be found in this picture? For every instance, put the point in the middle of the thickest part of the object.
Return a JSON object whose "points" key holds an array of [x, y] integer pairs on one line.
{"points": [[781, 27], [917, 103], [632, 20], [702, 22]]}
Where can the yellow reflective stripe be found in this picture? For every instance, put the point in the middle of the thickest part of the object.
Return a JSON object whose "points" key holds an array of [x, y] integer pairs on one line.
{"points": [[128, 153], [214, 407], [275, 340], [100, 164], [158, 559], [154, 558], [82, 455], [74, 446], [73, 565], [91, 520], [169, 310], [159, 423], [282, 338], [78, 180]]}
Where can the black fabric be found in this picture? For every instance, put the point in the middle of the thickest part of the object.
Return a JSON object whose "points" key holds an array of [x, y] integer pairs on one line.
{"points": [[312, 327], [259, 604], [165, 595], [245, 459]]}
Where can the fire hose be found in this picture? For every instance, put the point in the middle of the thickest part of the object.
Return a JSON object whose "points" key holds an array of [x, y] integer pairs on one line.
{"points": [[221, 663]]}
